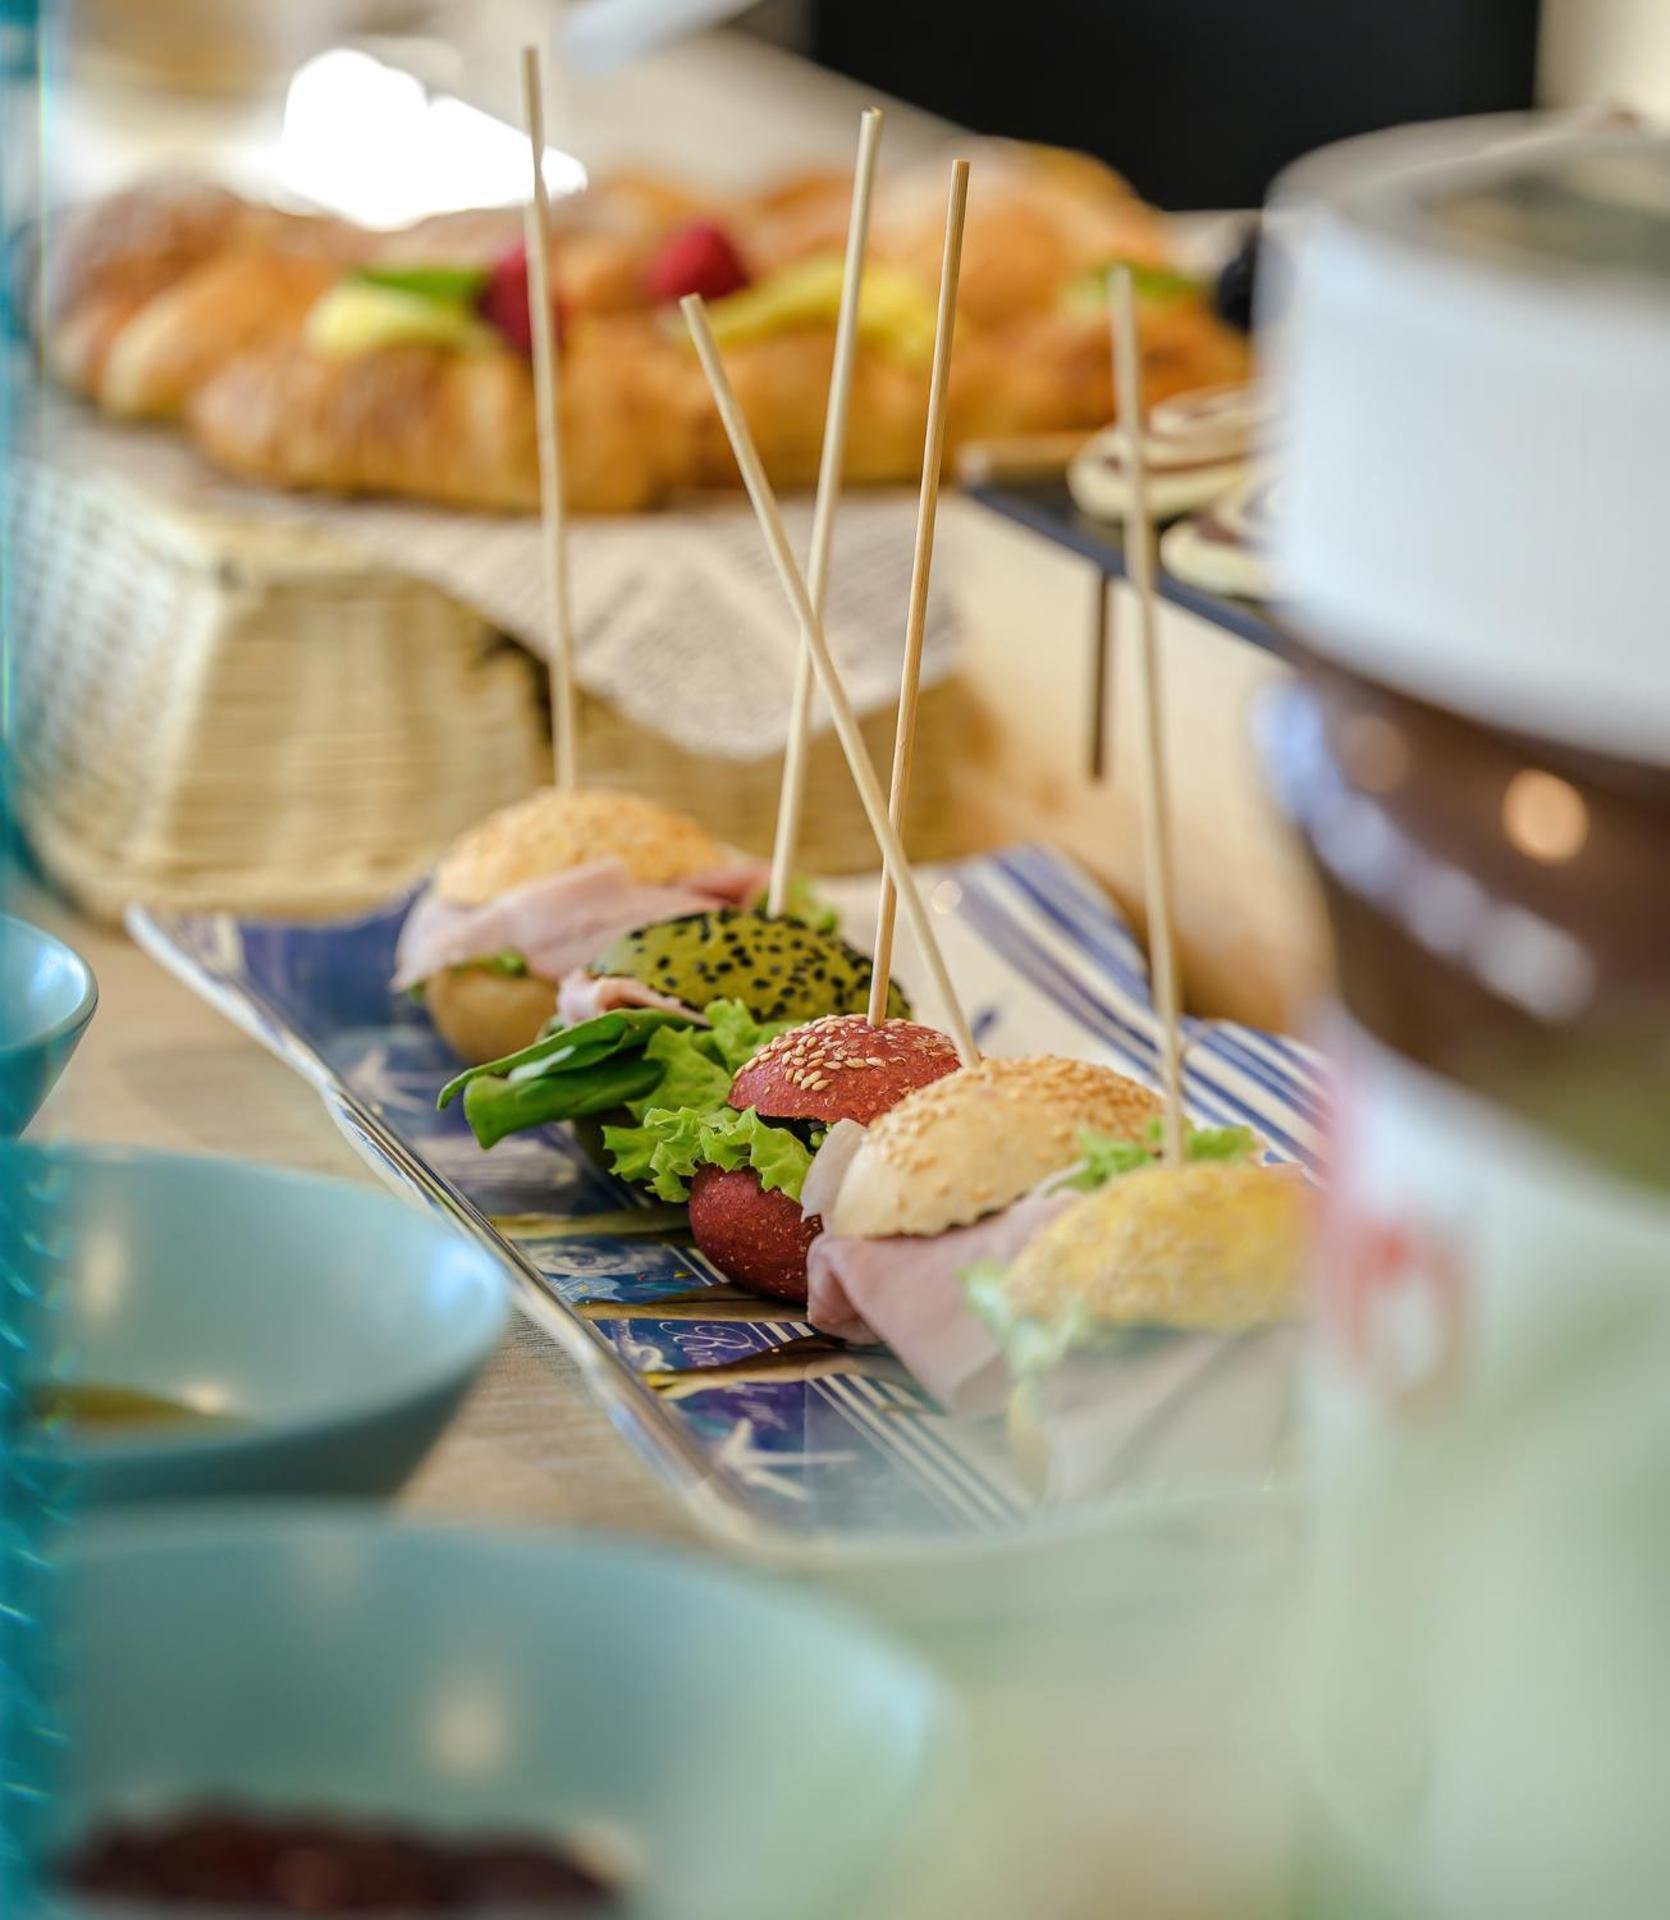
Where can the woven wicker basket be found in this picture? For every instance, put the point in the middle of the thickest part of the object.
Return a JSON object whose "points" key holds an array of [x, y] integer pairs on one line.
{"points": [[209, 712], [221, 711]]}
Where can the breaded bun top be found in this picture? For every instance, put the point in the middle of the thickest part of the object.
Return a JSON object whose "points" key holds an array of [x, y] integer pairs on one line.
{"points": [[979, 1139], [551, 830], [842, 1068], [1204, 1246]]}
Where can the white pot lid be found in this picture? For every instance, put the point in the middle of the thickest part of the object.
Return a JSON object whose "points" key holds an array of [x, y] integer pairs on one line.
{"points": [[1473, 371]]}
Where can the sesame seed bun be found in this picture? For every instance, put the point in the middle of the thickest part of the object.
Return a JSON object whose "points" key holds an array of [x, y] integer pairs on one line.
{"points": [[482, 1015], [836, 1068], [1204, 1246], [979, 1139], [777, 966], [842, 1068], [552, 830]]}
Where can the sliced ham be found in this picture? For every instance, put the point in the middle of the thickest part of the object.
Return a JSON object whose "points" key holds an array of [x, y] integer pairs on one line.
{"points": [[559, 923], [584, 996], [905, 1292]]}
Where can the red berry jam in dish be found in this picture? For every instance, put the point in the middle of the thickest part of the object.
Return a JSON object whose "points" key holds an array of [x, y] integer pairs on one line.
{"points": [[232, 1859]]}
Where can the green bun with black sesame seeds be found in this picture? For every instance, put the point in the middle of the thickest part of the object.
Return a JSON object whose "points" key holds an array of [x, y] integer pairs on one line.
{"points": [[779, 968]]}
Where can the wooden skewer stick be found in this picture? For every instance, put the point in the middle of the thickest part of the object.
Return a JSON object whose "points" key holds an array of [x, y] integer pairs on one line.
{"points": [[922, 561], [1156, 827], [536, 226], [791, 800], [811, 630]]}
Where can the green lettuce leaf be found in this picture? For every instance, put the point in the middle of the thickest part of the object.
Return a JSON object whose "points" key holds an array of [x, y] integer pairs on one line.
{"points": [[690, 1076], [665, 1149], [646, 1059], [662, 1152], [1105, 1158], [737, 1036], [780, 1158], [570, 1049], [496, 1107]]}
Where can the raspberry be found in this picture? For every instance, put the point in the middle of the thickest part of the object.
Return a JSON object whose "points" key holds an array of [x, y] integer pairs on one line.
{"points": [[698, 258], [504, 301]]}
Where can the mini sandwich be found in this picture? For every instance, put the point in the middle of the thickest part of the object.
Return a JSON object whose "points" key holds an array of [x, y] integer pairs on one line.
{"points": [[751, 1158], [1082, 1313], [687, 1002], [947, 1179], [537, 891], [1208, 1247]]}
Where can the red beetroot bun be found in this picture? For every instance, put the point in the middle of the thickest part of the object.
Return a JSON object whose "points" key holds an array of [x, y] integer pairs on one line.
{"points": [[842, 1068], [836, 1068], [757, 1238]]}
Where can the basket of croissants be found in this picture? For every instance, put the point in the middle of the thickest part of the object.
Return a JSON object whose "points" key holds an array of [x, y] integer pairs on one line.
{"points": [[226, 710]]}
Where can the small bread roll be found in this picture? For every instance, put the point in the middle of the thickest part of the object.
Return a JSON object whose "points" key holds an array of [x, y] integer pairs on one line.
{"points": [[1208, 1247], [977, 1140], [553, 829], [483, 1015]]}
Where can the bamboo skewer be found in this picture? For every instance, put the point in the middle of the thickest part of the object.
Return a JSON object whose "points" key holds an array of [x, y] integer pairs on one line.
{"points": [[792, 797], [536, 225], [1156, 825], [829, 679], [916, 615]]}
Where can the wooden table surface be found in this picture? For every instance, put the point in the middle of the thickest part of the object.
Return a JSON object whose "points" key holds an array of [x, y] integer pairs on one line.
{"points": [[1126, 1747]]}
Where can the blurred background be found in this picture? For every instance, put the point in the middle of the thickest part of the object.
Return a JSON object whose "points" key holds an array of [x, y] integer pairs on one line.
{"points": [[1198, 104]]}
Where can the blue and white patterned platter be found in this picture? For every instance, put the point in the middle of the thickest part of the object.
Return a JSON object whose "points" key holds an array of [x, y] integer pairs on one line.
{"points": [[782, 1439]]}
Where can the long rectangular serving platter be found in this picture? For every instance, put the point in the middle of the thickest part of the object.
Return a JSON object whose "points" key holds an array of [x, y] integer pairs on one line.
{"points": [[777, 1438]]}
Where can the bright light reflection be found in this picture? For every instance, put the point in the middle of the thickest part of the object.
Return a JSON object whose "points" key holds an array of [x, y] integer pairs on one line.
{"points": [[1544, 816], [366, 141], [101, 1274], [469, 1729], [205, 1396]]}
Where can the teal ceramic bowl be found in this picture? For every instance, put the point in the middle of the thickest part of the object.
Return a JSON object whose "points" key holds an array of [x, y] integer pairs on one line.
{"points": [[329, 1329], [47, 996], [746, 1752]]}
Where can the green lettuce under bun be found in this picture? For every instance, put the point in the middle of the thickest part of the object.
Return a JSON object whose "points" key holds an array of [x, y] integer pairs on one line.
{"points": [[632, 1058], [688, 1123], [1103, 1158], [666, 1149]]}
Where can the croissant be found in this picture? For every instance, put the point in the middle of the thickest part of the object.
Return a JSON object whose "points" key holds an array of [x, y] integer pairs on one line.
{"points": [[457, 428], [187, 302], [106, 262], [241, 299]]}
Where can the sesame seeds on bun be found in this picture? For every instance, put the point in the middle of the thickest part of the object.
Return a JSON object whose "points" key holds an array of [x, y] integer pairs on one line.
{"points": [[835, 1068], [552, 830], [842, 1068], [977, 1140]]}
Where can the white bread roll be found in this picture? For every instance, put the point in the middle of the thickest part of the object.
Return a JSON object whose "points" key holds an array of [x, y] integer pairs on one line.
{"points": [[483, 1015], [1204, 1246], [977, 1140], [551, 830]]}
